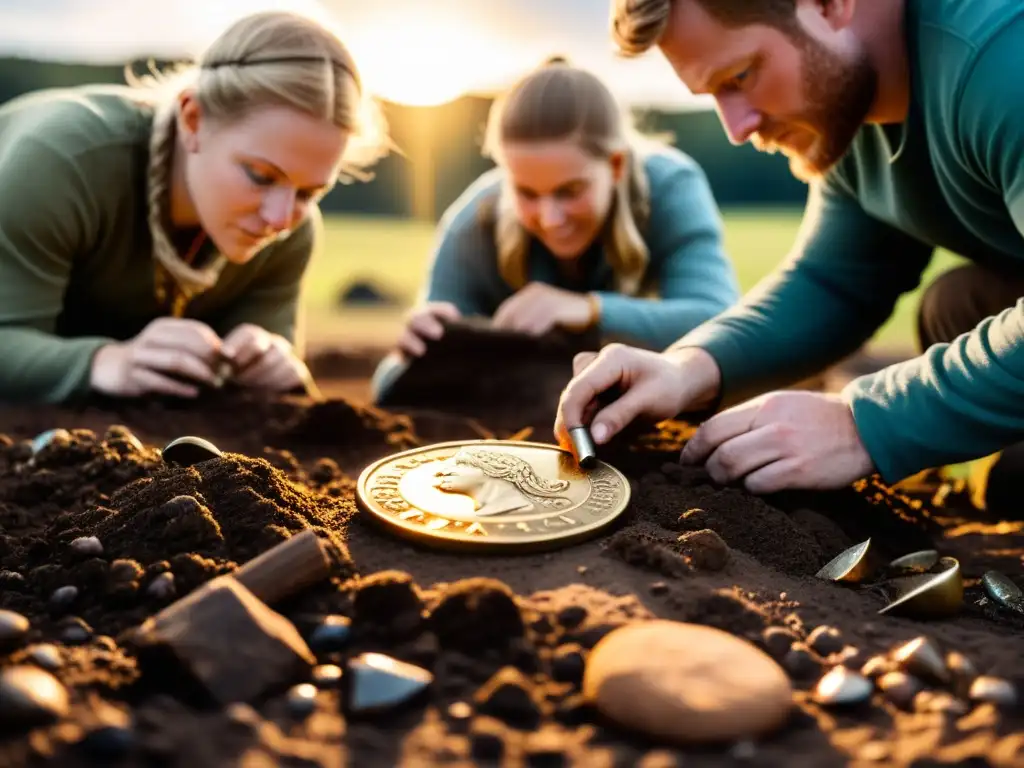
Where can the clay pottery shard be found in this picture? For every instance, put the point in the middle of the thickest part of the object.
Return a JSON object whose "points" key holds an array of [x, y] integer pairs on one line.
{"points": [[850, 565], [922, 658], [1003, 591], [929, 595]]}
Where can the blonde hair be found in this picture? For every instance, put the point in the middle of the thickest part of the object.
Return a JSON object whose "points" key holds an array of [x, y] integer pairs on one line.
{"points": [[264, 59], [556, 102]]}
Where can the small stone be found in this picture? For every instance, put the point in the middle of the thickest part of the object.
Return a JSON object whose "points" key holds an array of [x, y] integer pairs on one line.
{"points": [[327, 675], [30, 696], [581, 569], [75, 631], [388, 602], [900, 688], [567, 664], [108, 742], [800, 664], [921, 657], [63, 597], [375, 683], [45, 655], [189, 451], [331, 635], [842, 687], [686, 683], [962, 671], [877, 666], [162, 587], [994, 690], [119, 435], [825, 640], [11, 581], [301, 700], [87, 546], [705, 548], [459, 715], [13, 630], [572, 617], [658, 588], [123, 569], [508, 696], [940, 701], [778, 640], [476, 614]]}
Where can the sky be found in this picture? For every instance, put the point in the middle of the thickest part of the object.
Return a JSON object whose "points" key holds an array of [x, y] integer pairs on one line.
{"points": [[447, 47]]}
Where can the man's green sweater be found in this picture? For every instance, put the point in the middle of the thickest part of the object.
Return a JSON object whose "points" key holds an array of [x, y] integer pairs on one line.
{"points": [[951, 176]]}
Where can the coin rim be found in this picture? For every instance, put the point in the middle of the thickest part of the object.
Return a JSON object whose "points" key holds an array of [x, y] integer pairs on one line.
{"points": [[505, 545]]}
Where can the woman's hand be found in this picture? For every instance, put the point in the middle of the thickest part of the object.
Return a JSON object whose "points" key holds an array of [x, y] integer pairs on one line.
{"points": [[262, 360], [538, 308], [425, 323], [170, 356]]}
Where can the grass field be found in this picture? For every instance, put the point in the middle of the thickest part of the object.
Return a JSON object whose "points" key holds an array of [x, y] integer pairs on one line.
{"points": [[392, 253]]}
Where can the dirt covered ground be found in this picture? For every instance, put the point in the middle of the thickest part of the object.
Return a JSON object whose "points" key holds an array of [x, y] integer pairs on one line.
{"points": [[506, 638]]}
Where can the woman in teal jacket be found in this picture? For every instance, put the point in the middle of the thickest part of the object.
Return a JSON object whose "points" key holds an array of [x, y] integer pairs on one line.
{"points": [[583, 223]]}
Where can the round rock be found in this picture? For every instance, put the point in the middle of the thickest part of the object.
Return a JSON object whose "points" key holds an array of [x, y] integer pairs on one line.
{"points": [[189, 450], [13, 629], [686, 683], [30, 696]]}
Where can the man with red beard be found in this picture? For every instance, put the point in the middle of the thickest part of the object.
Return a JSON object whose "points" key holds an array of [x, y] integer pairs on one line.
{"points": [[906, 117]]}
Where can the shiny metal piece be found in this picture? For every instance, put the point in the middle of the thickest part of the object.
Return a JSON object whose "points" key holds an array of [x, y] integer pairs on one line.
{"points": [[189, 450], [928, 595], [491, 495], [848, 566], [916, 562], [842, 687], [922, 658], [1003, 591], [583, 447]]}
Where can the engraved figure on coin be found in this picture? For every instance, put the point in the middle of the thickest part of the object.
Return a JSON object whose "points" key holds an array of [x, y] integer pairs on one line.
{"points": [[499, 482]]}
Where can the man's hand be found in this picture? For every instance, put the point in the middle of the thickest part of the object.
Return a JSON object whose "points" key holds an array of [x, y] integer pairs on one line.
{"points": [[425, 323], [653, 385], [782, 441], [262, 360], [538, 308]]}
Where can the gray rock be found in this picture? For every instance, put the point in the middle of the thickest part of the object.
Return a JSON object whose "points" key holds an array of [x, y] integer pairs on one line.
{"points": [[13, 630], [30, 696]]}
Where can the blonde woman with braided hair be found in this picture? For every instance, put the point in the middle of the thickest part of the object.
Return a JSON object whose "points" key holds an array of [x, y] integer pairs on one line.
{"points": [[583, 224], [150, 233]]}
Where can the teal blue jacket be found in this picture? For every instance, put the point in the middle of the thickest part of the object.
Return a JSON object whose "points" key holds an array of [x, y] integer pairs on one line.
{"points": [[950, 176], [691, 275]]}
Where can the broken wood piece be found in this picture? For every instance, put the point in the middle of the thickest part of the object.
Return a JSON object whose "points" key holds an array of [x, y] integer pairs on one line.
{"points": [[286, 569]]}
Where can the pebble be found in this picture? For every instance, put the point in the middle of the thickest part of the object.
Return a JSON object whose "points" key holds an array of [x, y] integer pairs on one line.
{"points": [[508, 696], [921, 657], [459, 715], [567, 665], [900, 688], [993, 690], [189, 451], [108, 742], [302, 700], [825, 640], [63, 597], [778, 641], [326, 675], [843, 687], [123, 569], [30, 696], [13, 630], [119, 433], [75, 631], [686, 683], [963, 672], [877, 666], [162, 587], [705, 548], [46, 655], [332, 634], [658, 588], [87, 546], [800, 664], [377, 682]]}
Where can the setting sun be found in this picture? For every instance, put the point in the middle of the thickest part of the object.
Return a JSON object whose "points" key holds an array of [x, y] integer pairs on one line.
{"points": [[425, 62]]}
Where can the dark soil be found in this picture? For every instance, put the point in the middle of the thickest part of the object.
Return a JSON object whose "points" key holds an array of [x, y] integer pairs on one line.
{"points": [[506, 637]]}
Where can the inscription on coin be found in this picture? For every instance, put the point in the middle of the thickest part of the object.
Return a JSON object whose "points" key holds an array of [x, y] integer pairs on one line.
{"points": [[492, 494]]}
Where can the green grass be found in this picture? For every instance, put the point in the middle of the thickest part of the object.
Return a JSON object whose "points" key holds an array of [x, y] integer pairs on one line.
{"points": [[393, 254]]}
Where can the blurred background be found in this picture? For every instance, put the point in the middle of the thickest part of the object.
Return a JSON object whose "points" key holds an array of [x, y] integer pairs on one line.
{"points": [[436, 65]]}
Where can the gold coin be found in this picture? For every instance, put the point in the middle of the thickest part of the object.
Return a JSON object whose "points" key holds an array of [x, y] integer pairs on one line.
{"points": [[496, 495]]}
